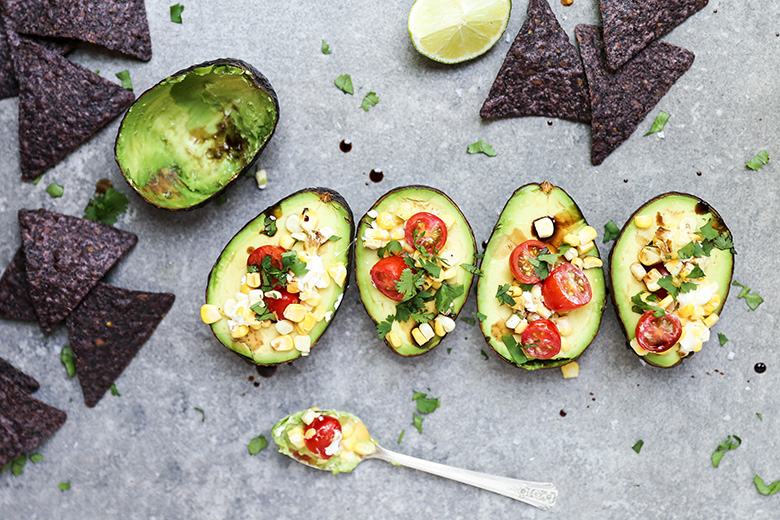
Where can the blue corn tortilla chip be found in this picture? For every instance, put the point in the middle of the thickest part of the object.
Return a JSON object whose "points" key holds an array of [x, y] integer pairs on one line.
{"points": [[621, 100], [65, 258], [542, 74], [119, 25], [61, 105], [25, 422], [106, 332], [631, 25], [15, 302], [17, 377]]}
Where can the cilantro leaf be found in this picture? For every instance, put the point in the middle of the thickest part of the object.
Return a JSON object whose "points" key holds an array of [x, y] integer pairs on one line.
{"points": [[640, 306], [445, 295], [38, 179], [484, 354], [325, 47], [114, 391], [400, 437], [724, 242], [762, 488], [724, 447], [344, 82], [417, 422], [760, 417], [482, 147], [722, 339], [503, 295], [221, 199], [638, 446], [202, 413], [392, 247], [546, 260], [409, 283], [127, 83], [515, 350], [667, 282], [659, 123], [383, 328], [707, 231], [176, 10], [758, 161], [470, 321], [66, 356], [257, 445], [269, 226], [611, 231], [64, 486], [687, 287], [55, 190], [369, 100], [425, 404], [106, 207], [473, 269], [17, 465], [696, 273], [753, 300], [291, 261], [481, 317], [35, 458]]}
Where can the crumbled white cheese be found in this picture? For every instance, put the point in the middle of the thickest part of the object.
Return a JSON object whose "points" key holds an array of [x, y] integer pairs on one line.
{"points": [[335, 445], [700, 296]]}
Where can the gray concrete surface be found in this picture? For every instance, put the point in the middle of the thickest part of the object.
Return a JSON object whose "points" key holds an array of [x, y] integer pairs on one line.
{"points": [[147, 454]]}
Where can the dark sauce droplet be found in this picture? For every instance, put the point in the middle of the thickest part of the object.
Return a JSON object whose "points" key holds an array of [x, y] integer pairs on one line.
{"points": [[625, 180], [266, 371], [563, 414], [484, 245], [376, 175], [345, 146], [702, 208], [256, 384], [760, 368], [698, 174], [549, 123], [251, 378]]}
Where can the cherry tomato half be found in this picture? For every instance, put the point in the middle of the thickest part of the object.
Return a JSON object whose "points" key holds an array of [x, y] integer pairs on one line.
{"points": [[275, 305], [658, 334], [566, 288], [519, 261], [541, 339], [325, 428], [431, 231], [278, 305], [275, 252], [385, 273]]}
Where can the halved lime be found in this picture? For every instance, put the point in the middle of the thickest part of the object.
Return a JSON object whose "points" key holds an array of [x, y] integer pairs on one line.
{"points": [[452, 31]]}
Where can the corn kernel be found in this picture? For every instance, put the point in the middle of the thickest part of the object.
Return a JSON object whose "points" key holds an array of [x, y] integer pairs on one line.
{"points": [[697, 346], [284, 327], [666, 302], [564, 326], [210, 314], [253, 280], [649, 255], [426, 330], [313, 299], [296, 437], [361, 432], [674, 267], [302, 344], [711, 320], [571, 239], [293, 288], [245, 289], [348, 443], [347, 429], [295, 312], [570, 370], [394, 339], [577, 262], [521, 328], [293, 224], [438, 328], [565, 345], [419, 337], [515, 291], [239, 332], [309, 433], [309, 416], [585, 247], [587, 234], [305, 325], [698, 313], [286, 242], [570, 254], [385, 221], [512, 322], [637, 347], [397, 234], [282, 343], [591, 262], [436, 285], [338, 273], [446, 322], [365, 448], [404, 212], [651, 280], [638, 271], [255, 296], [686, 311], [643, 221], [309, 219]]}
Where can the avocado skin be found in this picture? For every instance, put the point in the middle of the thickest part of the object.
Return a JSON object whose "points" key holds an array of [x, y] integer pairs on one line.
{"points": [[536, 364], [327, 195], [258, 78], [436, 339], [717, 219]]}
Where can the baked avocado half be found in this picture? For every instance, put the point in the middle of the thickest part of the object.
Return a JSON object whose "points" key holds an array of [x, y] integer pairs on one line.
{"points": [[414, 256], [279, 281], [671, 270], [186, 138], [524, 300]]}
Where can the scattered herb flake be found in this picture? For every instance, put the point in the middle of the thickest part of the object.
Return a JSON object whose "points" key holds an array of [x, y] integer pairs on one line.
{"points": [[696, 273], [35, 458], [383, 328], [482, 147], [473, 269], [176, 10], [392, 247], [722, 339], [638, 446], [659, 123], [64, 486], [481, 317], [724, 447], [66, 356], [38, 179], [369, 100], [611, 231], [503, 295], [257, 445], [760, 417], [515, 349], [221, 199], [752, 299], [484, 354], [762, 488], [445, 296], [344, 82], [640, 306], [417, 422], [325, 48], [106, 207], [114, 391], [127, 83], [470, 321], [758, 161], [401, 437], [55, 190], [269, 226], [17, 464], [425, 404], [202, 413], [449, 350]]}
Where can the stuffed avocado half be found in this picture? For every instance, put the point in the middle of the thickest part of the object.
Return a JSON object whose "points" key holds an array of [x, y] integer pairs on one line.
{"points": [[280, 280], [671, 270], [415, 256], [542, 291], [193, 133]]}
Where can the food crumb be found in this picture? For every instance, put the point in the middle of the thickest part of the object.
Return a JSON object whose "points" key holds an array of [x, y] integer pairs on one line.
{"points": [[567, 2], [563, 413]]}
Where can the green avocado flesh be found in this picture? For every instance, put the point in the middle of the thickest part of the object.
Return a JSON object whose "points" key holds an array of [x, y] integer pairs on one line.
{"points": [[514, 227], [669, 209], [185, 139], [344, 460], [460, 242], [227, 273]]}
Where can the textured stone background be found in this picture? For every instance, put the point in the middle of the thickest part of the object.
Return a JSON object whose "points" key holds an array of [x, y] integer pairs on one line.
{"points": [[148, 455]]}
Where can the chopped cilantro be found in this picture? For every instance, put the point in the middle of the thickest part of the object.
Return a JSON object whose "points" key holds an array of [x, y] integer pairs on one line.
{"points": [[479, 256], [637, 447], [17, 465], [696, 273], [659, 123], [445, 295], [344, 82], [257, 445], [758, 161], [762, 488], [482, 147], [409, 283], [325, 47], [269, 226], [35, 458], [479, 316], [400, 437], [38, 179], [503, 295], [392, 247], [760, 417], [470, 321], [473, 269], [66, 356], [640, 306], [425, 404], [291, 261], [55, 190], [252, 268], [126, 81], [691, 249], [687, 287], [176, 10], [369, 100], [114, 391], [723, 447], [667, 282], [484, 354], [707, 231], [449, 350], [64, 486], [722, 339], [383, 328], [106, 207], [202, 413], [611, 231], [752, 299], [545, 260], [515, 350], [334, 238], [417, 422]]}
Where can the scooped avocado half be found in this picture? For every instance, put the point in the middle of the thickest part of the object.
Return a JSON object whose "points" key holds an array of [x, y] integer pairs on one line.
{"points": [[409, 253], [185, 139], [279, 281], [557, 299], [671, 271]]}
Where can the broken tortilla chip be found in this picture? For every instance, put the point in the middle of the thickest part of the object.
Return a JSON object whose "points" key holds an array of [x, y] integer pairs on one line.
{"points": [[15, 302], [17, 377]]}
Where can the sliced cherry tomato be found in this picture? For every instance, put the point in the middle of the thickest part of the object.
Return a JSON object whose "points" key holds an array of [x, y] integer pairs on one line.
{"points": [[326, 428], [275, 305], [658, 334], [541, 339], [519, 261], [566, 288], [278, 305], [385, 273], [430, 231], [275, 252]]}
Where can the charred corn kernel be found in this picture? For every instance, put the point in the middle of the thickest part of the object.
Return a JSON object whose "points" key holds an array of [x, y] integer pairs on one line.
{"points": [[293, 288], [309, 219], [404, 212], [253, 280], [570, 254], [309, 416], [587, 234], [282, 343], [284, 327], [293, 224], [296, 437], [585, 247], [536, 292], [245, 288], [295, 312], [438, 328], [651, 280], [711, 320], [286, 241], [571, 239], [210, 314], [686, 311], [666, 302], [255, 296], [564, 326], [565, 345], [348, 443], [347, 429], [365, 448], [306, 324], [570, 370], [591, 262], [436, 285], [674, 267], [319, 313], [521, 328], [643, 221], [709, 309], [543, 311], [394, 339], [309, 433], [427, 331], [698, 313], [302, 344], [446, 322], [637, 347], [515, 291], [419, 337], [313, 299], [397, 234], [512, 322], [544, 227], [239, 332], [338, 273], [638, 271], [577, 262], [697, 346], [385, 220], [649, 255]]}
